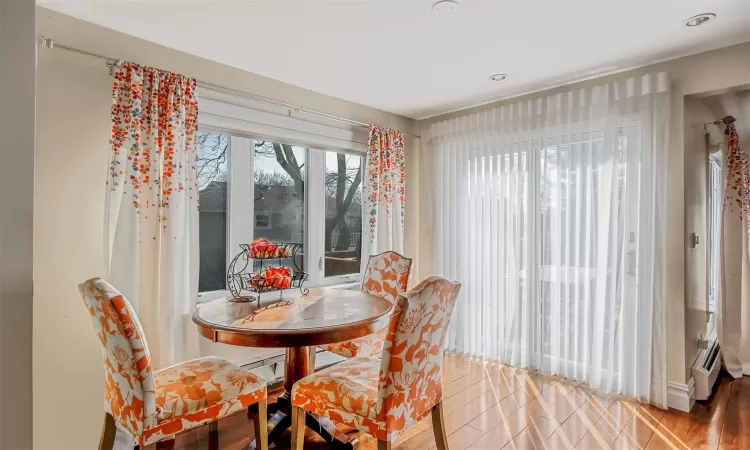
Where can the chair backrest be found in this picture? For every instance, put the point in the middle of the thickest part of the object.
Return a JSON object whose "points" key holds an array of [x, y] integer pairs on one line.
{"points": [[411, 369], [128, 378], [386, 275]]}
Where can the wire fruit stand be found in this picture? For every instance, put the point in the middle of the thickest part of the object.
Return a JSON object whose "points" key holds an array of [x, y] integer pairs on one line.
{"points": [[252, 273]]}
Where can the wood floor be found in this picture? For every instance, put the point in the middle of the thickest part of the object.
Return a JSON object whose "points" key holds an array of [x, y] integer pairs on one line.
{"points": [[489, 406]]}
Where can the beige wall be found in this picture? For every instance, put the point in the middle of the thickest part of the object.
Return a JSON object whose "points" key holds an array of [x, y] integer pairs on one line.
{"points": [[17, 116], [17, 60], [73, 101], [706, 72]]}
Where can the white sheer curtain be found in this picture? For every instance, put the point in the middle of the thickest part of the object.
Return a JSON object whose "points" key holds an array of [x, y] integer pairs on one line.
{"points": [[552, 214]]}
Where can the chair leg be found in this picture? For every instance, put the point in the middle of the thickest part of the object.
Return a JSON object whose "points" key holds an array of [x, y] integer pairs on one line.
{"points": [[213, 435], [384, 445], [261, 425], [298, 428], [438, 427], [313, 353], [166, 444], [109, 430]]}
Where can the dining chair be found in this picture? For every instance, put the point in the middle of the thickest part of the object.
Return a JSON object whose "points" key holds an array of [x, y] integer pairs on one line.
{"points": [[384, 396], [386, 275], [153, 406]]}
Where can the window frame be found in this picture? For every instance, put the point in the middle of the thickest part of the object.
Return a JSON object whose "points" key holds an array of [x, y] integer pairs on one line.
{"points": [[241, 218], [267, 219], [317, 206], [714, 207]]}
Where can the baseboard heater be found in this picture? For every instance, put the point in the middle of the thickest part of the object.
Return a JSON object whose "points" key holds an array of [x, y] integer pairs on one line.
{"points": [[706, 369], [272, 368]]}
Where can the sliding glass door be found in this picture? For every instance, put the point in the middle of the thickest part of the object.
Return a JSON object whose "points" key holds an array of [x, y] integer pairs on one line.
{"points": [[553, 219], [588, 251]]}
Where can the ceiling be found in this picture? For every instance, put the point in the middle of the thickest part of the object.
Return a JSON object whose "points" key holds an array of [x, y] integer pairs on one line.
{"points": [[402, 57]]}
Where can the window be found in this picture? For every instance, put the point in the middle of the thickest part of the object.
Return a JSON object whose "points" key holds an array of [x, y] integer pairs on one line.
{"points": [[279, 176], [343, 214], [262, 220], [276, 176], [212, 183], [715, 206]]}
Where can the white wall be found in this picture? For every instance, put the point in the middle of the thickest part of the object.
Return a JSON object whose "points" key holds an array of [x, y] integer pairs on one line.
{"points": [[17, 59], [712, 71], [73, 102]]}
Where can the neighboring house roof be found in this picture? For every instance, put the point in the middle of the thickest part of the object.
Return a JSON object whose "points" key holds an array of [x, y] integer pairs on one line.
{"points": [[214, 197], [275, 197]]}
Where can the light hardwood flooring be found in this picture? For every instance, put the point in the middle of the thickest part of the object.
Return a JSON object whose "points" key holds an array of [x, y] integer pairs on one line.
{"points": [[490, 406]]}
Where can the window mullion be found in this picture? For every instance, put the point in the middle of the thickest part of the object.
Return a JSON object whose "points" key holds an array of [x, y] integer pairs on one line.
{"points": [[241, 214], [316, 216]]}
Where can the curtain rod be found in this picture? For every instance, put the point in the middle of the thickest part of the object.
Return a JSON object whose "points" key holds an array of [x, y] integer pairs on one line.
{"points": [[44, 42], [726, 121]]}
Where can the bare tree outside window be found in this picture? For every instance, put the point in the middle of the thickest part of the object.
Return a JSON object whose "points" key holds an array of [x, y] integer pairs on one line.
{"points": [[212, 181], [212, 158], [344, 191], [343, 223]]}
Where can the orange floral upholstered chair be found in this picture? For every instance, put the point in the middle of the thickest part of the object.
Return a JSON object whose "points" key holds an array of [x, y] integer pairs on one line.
{"points": [[154, 406], [386, 275], [385, 395]]}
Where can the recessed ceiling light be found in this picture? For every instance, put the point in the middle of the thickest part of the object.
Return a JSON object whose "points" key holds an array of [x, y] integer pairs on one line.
{"points": [[498, 77], [445, 5], [699, 19]]}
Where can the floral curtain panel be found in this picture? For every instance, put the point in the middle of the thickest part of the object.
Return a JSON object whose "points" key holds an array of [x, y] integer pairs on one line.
{"points": [[152, 204], [385, 175], [734, 297]]}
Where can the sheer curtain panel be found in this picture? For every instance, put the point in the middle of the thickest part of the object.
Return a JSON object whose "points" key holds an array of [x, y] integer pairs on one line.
{"points": [[551, 212]]}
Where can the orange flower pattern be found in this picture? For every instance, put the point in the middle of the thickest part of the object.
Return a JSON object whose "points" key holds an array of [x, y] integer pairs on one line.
{"points": [[123, 384], [386, 173], [154, 126], [737, 197], [386, 275], [151, 406], [346, 392], [386, 396], [200, 391]]}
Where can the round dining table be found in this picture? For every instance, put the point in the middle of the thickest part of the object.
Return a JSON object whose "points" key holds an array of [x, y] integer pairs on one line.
{"points": [[296, 323]]}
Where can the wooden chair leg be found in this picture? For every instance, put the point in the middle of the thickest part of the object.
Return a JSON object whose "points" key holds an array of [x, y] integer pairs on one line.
{"points": [[213, 435], [167, 444], [313, 354], [261, 425], [384, 445], [109, 430], [438, 427], [298, 428]]}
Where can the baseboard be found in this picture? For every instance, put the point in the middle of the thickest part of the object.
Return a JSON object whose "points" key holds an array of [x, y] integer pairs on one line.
{"points": [[272, 368], [681, 396]]}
